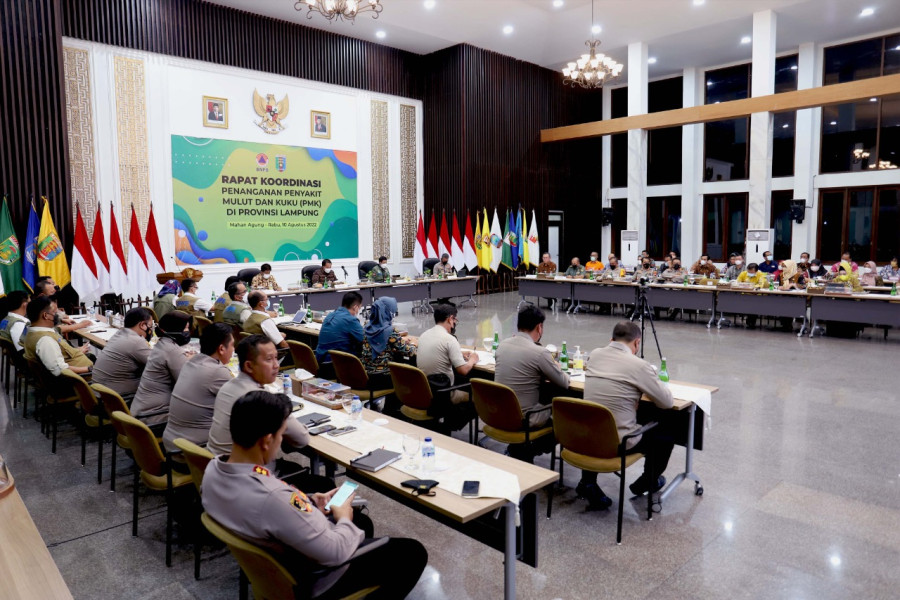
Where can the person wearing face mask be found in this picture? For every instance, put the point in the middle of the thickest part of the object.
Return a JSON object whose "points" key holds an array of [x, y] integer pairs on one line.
{"points": [[260, 322], [704, 267], [736, 267], [645, 270], [383, 343], [380, 273], [753, 275], [151, 401], [617, 378], [868, 275], [236, 308], [45, 287], [122, 361], [264, 280], [439, 353], [42, 342], [326, 273], [222, 301], [594, 264], [341, 330], [677, 272], [845, 258], [890, 273], [803, 263], [645, 255], [524, 365], [575, 268], [190, 302], [816, 270], [769, 265], [444, 267], [165, 299], [791, 277]]}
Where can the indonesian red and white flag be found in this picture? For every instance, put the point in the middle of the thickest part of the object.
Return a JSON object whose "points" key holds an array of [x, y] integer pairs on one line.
{"points": [[432, 246], [84, 268], [457, 258], [118, 269], [421, 251], [101, 256], [470, 256], [443, 246], [138, 272], [155, 262]]}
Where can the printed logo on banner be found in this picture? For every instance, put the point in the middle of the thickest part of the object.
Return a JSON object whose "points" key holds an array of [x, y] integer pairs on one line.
{"points": [[262, 162], [49, 248], [280, 162]]}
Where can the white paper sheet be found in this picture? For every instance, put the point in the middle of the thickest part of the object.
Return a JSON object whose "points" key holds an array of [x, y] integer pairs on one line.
{"points": [[701, 397]]}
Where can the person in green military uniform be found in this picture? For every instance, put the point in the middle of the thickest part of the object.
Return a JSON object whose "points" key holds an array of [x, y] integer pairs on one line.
{"points": [[380, 273]]}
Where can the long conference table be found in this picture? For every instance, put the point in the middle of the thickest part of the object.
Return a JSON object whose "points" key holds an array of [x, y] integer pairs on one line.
{"points": [[876, 307]]}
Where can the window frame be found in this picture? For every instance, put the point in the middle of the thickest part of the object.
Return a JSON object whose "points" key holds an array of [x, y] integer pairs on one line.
{"points": [[875, 232], [726, 222]]}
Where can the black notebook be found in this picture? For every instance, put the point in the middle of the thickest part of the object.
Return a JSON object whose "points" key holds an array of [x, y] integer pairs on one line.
{"points": [[313, 419], [375, 460]]}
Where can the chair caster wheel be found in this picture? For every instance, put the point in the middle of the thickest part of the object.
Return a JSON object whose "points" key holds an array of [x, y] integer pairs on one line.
{"points": [[698, 490]]}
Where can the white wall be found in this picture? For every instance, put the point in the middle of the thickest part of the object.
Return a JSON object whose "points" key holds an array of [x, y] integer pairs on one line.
{"points": [[174, 90]]}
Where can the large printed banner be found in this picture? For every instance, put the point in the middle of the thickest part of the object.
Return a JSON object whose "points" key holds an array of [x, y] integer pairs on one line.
{"points": [[238, 202]]}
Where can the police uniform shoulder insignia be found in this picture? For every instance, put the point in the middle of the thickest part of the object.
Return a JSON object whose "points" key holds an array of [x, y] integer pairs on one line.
{"points": [[261, 470], [300, 501]]}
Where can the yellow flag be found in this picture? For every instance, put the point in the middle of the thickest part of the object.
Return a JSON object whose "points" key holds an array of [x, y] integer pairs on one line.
{"points": [[523, 240], [51, 258], [486, 249]]}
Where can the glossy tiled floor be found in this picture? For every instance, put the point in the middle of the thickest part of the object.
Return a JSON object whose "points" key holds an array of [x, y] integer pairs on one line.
{"points": [[800, 470]]}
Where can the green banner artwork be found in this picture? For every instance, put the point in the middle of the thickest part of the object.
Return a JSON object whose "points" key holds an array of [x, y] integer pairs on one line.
{"points": [[239, 202]]}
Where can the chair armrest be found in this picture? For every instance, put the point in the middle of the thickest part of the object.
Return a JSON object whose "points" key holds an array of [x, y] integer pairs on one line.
{"points": [[526, 414], [644, 429], [458, 386]]}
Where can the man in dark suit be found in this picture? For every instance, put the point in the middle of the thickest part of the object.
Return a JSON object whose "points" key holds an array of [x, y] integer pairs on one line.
{"points": [[215, 114]]}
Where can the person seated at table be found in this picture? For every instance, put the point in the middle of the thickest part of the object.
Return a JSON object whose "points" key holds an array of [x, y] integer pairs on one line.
{"points": [[791, 277], [237, 311], [260, 322], [194, 394], [546, 265], [645, 254], [190, 302], [753, 275], [324, 274], [47, 288], [165, 299], [341, 330], [769, 264], [676, 272], [704, 267], [42, 342], [382, 343], [380, 272], [665, 266], [324, 549], [121, 363], [645, 269], [803, 263], [575, 268], [673, 255], [816, 269], [845, 258], [890, 273], [594, 264], [14, 324], [264, 280], [222, 301], [736, 267], [869, 276], [164, 365], [438, 351], [443, 268], [524, 365], [617, 378]]}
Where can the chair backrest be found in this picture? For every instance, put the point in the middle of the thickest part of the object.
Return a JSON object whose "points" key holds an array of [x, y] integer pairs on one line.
{"points": [[88, 398], [17, 358], [429, 263], [364, 267], [270, 580], [197, 458], [57, 388], [243, 335], [38, 373], [585, 427], [247, 275], [410, 385], [307, 271], [201, 323], [144, 445], [304, 357], [349, 370], [497, 405]]}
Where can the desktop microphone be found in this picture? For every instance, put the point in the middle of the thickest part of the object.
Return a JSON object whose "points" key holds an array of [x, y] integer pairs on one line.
{"points": [[344, 269]]}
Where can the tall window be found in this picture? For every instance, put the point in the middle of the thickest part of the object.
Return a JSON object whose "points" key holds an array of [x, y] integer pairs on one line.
{"points": [[784, 129], [862, 221], [664, 225], [862, 135], [782, 223], [727, 151], [619, 159], [664, 145], [620, 222], [725, 227]]}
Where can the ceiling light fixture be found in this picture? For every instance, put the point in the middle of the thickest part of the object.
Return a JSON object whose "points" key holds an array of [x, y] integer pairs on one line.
{"points": [[558, 3], [746, 39], [867, 12], [596, 29], [429, 4], [651, 60], [793, 67], [699, 2], [507, 29], [593, 69], [380, 34], [342, 10], [873, 99]]}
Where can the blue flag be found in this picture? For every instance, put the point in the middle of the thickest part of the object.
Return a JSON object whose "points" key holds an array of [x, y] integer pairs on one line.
{"points": [[513, 242], [29, 265], [519, 255]]}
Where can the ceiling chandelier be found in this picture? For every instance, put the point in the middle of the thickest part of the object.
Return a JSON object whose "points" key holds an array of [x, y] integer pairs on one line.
{"points": [[344, 10], [593, 69]]}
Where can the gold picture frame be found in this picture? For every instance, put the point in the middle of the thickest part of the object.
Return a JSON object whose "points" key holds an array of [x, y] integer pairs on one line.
{"points": [[320, 124], [210, 103]]}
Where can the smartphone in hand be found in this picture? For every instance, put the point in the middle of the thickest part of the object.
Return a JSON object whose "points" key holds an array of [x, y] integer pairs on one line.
{"points": [[342, 494]]}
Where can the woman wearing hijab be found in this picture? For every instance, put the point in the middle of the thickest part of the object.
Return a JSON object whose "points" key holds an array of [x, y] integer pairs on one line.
{"points": [[869, 275], [791, 278], [382, 343], [165, 300], [163, 367]]}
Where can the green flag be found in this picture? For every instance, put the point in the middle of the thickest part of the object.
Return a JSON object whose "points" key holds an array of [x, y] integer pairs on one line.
{"points": [[10, 255], [506, 256]]}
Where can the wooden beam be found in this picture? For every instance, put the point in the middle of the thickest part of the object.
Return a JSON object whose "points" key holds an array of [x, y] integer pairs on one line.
{"points": [[838, 93]]}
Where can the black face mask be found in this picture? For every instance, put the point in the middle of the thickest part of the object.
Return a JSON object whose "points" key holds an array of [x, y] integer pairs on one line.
{"points": [[148, 334], [646, 265], [181, 338], [676, 265], [56, 319]]}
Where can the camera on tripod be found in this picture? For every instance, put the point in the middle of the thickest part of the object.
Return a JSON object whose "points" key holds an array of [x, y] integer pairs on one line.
{"points": [[644, 281]]}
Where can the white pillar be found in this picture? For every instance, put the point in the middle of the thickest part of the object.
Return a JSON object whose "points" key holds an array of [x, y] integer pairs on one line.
{"points": [[691, 171], [806, 153], [606, 175], [637, 141], [763, 84]]}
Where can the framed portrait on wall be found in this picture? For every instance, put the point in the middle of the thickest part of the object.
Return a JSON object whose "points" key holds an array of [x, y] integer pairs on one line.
{"points": [[215, 112], [320, 124]]}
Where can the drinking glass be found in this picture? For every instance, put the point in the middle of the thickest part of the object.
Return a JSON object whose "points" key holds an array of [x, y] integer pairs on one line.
{"points": [[488, 343], [410, 448], [346, 401]]}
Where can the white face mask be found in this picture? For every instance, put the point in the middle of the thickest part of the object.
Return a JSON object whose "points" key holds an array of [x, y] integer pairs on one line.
{"points": [[594, 258], [326, 269], [266, 275], [768, 258], [702, 262], [738, 262], [864, 270], [814, 268]]}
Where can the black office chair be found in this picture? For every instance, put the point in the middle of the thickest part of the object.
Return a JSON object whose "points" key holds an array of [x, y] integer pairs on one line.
{"points": [[364, 267], [247, 275], [308, 271], [463, 272], [429, 263]]}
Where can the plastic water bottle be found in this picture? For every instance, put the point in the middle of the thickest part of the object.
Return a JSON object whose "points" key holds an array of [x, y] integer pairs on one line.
{"points": [[428, 460], [663, 371], [281, 308], [578, 362], [288, 386], [356, 409], [495, 344]]}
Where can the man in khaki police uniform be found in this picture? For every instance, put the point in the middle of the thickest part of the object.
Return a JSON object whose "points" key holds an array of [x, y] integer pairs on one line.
{"points": [[260, 322]]}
